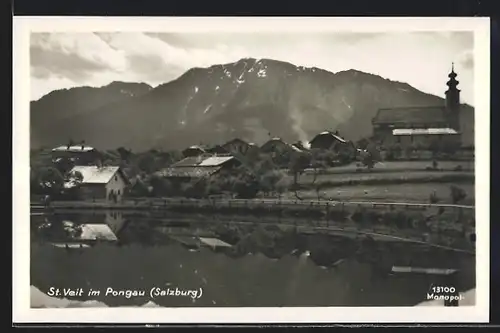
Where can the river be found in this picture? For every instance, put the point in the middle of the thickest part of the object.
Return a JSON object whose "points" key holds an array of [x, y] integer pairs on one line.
{"points": [[223, 262]]}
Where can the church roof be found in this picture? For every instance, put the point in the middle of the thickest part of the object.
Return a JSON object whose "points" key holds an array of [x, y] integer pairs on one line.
{"points": [[413, 114]]}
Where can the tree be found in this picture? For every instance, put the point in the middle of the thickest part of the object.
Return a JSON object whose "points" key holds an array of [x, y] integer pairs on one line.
{"points": [[318, 189], [457, 194], [73, 180], [147, 163], [368, 161], [139, 189], [268, 181], [49, 180], [245, 185], [125, 154], [433, 198], [161, 186], [282, 186], [317, 164], [298, 163]]}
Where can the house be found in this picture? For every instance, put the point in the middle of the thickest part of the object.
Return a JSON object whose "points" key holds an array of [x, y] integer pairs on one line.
{"points": [[303, 146], [423, 126], [98, 183], [75, 154], [328, 140], [217, 150], [280, 151], [278, 146], [193, 169], [193, 151], [236, 146]]}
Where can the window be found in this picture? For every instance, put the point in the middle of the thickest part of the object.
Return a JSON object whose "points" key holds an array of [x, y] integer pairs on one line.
{"points": [[116, 178], [398, 139], [118, 192]]}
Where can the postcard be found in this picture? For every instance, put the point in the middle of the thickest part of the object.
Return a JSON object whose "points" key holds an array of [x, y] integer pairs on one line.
{"points": [[251, 170]]}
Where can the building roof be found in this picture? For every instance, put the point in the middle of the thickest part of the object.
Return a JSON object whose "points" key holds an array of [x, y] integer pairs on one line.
{"points": [[195, 147], [415, 114], [189, 172], [331, 134], [202, 161], [74, 148], [277, 140], [214, 242], [96, 175], [423, 131], [215, 160], [189, 161]]}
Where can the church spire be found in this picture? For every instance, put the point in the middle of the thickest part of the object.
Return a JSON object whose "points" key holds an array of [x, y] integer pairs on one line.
{"points": [[452, 82], [453, 99]]}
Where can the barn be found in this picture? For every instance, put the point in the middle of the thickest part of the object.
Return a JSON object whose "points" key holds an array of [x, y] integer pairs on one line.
{"points": [[193, 169], [99, 183]]}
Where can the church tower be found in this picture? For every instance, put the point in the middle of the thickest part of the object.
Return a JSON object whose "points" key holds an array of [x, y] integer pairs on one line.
{"points": [[453, 100]]}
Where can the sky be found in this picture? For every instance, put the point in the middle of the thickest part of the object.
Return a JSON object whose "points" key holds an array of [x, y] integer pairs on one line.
{"points": [[421, 59]]}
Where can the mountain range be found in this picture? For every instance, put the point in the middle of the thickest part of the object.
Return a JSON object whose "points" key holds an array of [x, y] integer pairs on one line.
{"points": [[251, 99]]}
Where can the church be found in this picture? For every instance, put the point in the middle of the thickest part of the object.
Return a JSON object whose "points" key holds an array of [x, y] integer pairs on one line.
{"points": [[422, 127]]}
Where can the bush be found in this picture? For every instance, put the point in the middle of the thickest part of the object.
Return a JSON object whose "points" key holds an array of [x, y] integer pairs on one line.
{"points": [[457, 194], [433, 198]]}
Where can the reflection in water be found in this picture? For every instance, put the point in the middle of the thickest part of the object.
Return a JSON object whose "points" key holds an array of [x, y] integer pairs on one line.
{"points": [[233, 264]]}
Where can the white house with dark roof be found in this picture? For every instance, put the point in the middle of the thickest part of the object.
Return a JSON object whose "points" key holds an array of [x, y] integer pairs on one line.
{"points": [[99, 183]]}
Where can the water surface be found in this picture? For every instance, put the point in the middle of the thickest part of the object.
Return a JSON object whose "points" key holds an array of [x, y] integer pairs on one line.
{"points": [[260, 265]]}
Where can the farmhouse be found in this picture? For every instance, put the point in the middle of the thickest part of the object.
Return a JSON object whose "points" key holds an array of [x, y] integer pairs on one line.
{"points": [[236, 146], [193, 169], [193, 151], [99, 183], [423, 126], [277, 146], [328, 140], [76, 154], [217, 150]]}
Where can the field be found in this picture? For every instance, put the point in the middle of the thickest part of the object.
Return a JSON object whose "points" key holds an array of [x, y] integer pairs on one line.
{"points": [[389, 166], [372, 178], [418, 193], [402, 181]]}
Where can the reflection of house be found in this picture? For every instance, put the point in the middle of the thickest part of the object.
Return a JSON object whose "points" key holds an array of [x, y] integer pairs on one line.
{"points": [[193, 151], [75, 154], [100, 182], [331, 141], [195, 168], [115, 221], [427, 125]]}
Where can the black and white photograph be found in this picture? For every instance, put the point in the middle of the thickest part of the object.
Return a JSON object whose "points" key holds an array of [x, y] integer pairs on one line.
{"points": [[251, 169]]}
